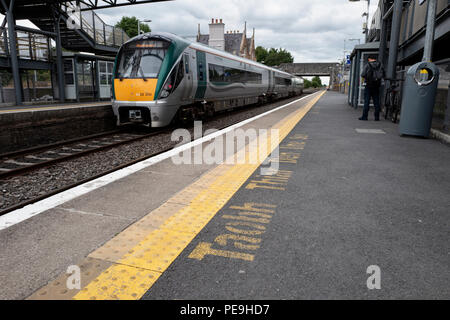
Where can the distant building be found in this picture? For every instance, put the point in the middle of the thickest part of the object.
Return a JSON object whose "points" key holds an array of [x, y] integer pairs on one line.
{"points": [[231, 41]]}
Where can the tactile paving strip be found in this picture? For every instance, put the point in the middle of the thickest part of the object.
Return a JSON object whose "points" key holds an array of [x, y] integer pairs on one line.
{"points": [[158, 250], [58, 290], [119, 282], [125, 241]]}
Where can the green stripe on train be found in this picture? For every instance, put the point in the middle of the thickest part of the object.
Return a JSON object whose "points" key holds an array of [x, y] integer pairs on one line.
{"points": [[201, 75]]}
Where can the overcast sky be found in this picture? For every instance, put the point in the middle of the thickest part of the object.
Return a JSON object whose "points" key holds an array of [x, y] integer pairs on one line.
{"points": [[312, 30]]}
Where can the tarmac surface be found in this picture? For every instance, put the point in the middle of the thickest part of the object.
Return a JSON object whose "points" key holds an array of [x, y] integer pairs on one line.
{"points": [[348, 195], [354, 199]]}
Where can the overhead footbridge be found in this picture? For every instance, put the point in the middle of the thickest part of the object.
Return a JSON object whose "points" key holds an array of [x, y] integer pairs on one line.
{"points": [[73, 25]]}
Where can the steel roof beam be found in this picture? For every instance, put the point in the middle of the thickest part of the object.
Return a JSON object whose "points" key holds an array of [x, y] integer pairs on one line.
{"points": [[103, 4]]}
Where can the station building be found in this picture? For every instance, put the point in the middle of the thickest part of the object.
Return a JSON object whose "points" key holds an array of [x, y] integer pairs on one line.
{"points": [[67, 57], [403, 27]]}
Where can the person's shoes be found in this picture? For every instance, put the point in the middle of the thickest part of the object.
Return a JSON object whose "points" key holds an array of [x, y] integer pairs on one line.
{"points": [[377, 119], [362, 118]]}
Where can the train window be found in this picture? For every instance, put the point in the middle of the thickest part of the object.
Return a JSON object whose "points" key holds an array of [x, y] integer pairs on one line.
{"points": [[179, 73], [283, 81], [174, 80], [141, 59], [253, 77], [222, 74]]}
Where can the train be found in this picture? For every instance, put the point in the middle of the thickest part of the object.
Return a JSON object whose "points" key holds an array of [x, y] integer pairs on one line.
{"points": [[160, 78]]}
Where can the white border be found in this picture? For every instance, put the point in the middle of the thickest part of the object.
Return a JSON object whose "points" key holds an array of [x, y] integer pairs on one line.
{"points": [[36, 208]]}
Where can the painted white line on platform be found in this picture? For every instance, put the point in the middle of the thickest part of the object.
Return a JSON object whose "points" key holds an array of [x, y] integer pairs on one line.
{"points": [[36, 208]]}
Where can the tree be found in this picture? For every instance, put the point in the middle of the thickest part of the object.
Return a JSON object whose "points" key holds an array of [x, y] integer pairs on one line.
{"points": [[316, 82], [130, 26], [273, 57], [261, 54], [307, 83]]}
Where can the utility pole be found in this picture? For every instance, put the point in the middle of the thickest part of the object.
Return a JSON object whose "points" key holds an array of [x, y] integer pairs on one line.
{"points": [[395, 35], [367, 20], [139, 25]]}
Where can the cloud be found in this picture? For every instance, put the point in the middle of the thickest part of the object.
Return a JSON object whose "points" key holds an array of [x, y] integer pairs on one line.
{"points": [[310, 30]]}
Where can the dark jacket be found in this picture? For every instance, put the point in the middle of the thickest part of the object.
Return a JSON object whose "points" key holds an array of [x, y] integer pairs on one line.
{"points": [[368, 68]]}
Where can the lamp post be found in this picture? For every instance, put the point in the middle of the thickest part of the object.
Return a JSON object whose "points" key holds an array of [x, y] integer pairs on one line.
{"points": [[366, 29], [345, 58], [139, 25], [352, 39]]}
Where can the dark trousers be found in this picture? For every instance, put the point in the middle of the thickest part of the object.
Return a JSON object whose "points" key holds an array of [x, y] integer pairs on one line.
{"points": [[374, 93]]}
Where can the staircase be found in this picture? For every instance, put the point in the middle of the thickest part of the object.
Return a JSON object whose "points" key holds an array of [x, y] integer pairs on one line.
{"points": [[88, 34]]}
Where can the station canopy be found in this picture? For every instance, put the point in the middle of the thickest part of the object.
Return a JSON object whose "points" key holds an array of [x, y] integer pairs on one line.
{"points": [[25, 9]]}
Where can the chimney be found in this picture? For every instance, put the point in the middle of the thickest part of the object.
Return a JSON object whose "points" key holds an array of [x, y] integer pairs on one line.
{"points": [[217, 34]]}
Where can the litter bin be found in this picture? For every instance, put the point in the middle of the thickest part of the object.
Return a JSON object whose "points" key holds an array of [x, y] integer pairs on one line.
{"points": [[419, 95]]}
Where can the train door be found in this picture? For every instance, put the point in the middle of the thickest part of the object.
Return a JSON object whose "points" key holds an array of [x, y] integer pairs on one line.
{"points": [[188, 77], [201, 75], [271, 84]]}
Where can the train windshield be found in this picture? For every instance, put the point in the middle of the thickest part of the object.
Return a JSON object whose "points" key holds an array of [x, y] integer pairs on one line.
{"points": [[141, 59]]}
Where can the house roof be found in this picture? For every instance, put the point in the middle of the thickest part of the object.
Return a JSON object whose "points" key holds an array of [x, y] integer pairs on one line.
{"points": [[232, 41]]}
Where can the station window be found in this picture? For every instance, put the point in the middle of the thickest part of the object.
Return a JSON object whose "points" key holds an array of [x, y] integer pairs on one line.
{"points": [[105, 70], [226, 75], [68, 72]]}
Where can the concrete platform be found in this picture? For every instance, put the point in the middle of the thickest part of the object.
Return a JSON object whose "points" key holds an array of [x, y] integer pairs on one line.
{"points": [[23, 127], [342, 200], [52, 106]]}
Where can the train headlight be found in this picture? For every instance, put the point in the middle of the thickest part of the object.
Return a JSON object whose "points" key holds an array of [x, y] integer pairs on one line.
{"points": [[167, 89], [164, 93]]}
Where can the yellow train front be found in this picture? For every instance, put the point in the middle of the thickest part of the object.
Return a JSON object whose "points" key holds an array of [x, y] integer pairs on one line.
{"points": [[159, 77]]}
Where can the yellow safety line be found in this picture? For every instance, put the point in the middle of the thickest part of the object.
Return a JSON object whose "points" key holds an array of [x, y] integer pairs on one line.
{"points": [[134, 274]]}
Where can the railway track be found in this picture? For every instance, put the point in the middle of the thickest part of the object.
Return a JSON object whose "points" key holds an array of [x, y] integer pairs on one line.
{"points": [[20, 162]]}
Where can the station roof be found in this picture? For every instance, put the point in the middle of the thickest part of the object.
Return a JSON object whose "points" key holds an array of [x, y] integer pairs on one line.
{"points": [[366, 47], [30, 5]]}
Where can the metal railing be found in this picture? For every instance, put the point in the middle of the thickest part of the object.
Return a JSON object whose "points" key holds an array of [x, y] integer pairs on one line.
{"points": [[31, 46], [93, 25]]}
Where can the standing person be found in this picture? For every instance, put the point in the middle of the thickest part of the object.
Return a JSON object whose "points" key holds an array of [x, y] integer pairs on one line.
{"points": [[372, 73]]}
